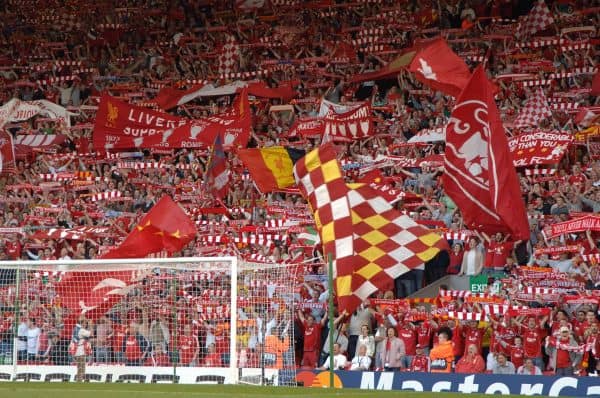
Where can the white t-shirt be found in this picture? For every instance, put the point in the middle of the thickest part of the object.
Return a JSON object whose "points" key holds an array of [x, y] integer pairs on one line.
{"points": [[33, 340], [471, 256], [339, 362], [22, 332]]}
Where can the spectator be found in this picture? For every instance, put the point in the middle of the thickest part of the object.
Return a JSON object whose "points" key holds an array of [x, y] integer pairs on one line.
{"points": [[135, 346], [441, 356], [312, 339], [339, 360], [366, 339], [361, 360], [420, 362], [471, 362], [529, 368], [472, 259], [503, 366], [563, 359], [393, 351]]}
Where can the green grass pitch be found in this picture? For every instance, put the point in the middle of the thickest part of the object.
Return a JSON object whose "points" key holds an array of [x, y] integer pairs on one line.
{"points": [[101, 390]]}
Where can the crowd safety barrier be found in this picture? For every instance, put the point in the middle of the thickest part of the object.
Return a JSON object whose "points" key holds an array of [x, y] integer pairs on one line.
{"points": [[550, 386]]}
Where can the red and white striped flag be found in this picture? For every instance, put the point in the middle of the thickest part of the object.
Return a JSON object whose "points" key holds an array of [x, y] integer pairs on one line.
{"points": [[539, 18], [535, 110]]}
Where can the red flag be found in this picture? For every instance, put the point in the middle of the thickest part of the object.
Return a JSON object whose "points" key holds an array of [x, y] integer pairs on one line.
{"points": [[596, 84], [93, 293], [7, 153], [480, 176], [440, 68], [217, 175], [119, 125], [164, 227], [170, 97]]}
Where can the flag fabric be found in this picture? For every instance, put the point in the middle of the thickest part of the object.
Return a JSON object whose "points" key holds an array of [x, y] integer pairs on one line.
{"points": [[169, 97], [271, 168], [479, 175], [229, 57], [539, 18], [596, 84], [587, 117], [7, 153], [369, 242], [217, 174], [535, 110], [437, 66], [165, 227]]}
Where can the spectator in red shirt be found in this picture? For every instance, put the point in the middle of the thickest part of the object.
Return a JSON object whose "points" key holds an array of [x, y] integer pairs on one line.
{"points": [[212, 358], [312, 339], [473, 335], [420, 362], [158, 357], [408, 334], [533, 335], [471, 362], [456, 258], [563, 358], [188, 347]]}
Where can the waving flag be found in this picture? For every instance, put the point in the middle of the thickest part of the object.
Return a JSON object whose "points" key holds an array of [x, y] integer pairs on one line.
{"points": [[539, 18], [271, 168], [371, 243], [217, 174], [164, 227], [534, 112], [480, 176], [439, 67], [7, 153]]}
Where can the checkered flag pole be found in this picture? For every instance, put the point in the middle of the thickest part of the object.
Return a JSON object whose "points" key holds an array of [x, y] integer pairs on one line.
{"points": [[539, 18], [535, 110]]}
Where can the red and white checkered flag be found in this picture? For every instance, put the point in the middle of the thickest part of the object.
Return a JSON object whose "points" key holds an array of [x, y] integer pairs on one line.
{"points": [[535, 110], [539, 18], [230, 56]]}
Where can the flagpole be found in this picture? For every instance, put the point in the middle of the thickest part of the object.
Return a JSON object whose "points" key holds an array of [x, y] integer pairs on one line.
{"points": [[331, 325]]}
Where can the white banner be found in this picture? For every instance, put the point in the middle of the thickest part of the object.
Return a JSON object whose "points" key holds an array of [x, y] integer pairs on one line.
{"points": [[16, 110]]}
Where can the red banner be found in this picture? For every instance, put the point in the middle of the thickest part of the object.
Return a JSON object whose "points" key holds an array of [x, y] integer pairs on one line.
{"points": [[7, 153], [539, 147], [120, 125], [309, 127], [581, 224], [203, 132], [351, 125]]}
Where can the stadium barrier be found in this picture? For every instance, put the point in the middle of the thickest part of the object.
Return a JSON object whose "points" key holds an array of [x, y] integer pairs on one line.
{"points": [[551, 386]]}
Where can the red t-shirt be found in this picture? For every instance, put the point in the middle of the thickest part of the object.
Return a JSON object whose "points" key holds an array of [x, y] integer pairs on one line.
{"points": [[312, 336], [420, 363], [496, 254], [517, 356], [563, 359], [213, 360], [532, 342], [133, 351], [188, 346], [473, 336], [409, 336], [118, 337], [424, 333], [458, 340]]}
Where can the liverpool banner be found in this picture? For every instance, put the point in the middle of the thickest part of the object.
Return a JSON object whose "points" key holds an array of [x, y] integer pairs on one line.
{"points": [[120, 125], [539, 147]]}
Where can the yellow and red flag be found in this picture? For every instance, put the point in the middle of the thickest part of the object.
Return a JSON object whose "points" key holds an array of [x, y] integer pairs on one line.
{"points": [[369, 241]]}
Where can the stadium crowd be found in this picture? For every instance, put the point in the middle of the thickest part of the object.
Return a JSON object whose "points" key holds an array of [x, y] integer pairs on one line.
{"points": [[539, 312]]}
